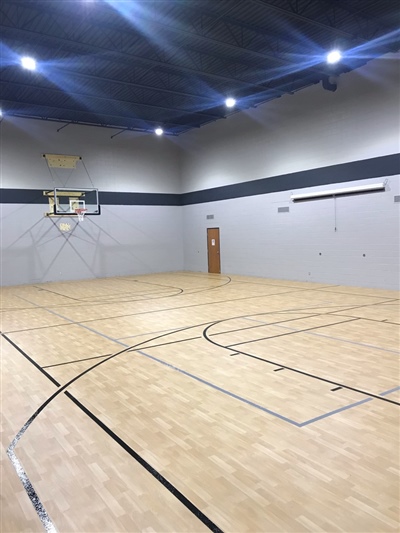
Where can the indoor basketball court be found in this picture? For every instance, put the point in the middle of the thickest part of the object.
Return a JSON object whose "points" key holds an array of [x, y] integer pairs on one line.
{"points": [[200, 257]]}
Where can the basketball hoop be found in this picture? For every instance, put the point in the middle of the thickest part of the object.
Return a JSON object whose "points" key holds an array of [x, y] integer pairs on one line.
{"points": [[81, 214]]}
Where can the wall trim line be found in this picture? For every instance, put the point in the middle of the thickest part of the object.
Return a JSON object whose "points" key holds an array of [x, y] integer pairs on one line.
{"points": [[376, 167]]}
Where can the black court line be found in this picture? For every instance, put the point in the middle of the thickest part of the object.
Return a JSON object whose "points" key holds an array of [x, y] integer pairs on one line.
{"points": [[201, 276], [336, 388], [352, 294], [48, 376], [41, 327], [88, 304], [77, 360], [242, 329], [10, 450], [209, 304], [127, 292], [149, 283], [159, 477], [290, 332], [385, 321], [211, 288], [191, 290], [278, 369], [133, 299], [265, 324], [270, 284], [298, 371], [57, 293], [166, 343], [64, 387]]}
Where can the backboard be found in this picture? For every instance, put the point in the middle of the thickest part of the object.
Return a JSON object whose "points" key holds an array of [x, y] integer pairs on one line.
{"points": [[65, 202]]}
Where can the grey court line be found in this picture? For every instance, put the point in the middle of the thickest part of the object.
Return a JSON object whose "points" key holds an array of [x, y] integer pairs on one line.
{"points": [[330, 337], [228, 393], [149, 333], [257, 406], [350, 406], [220, 389], [41, 511], [244, 400], [77, 323], [182, 371], [89, 329]]}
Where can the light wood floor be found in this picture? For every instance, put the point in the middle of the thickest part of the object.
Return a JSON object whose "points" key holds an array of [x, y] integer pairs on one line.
{"points": [[234, 404]]}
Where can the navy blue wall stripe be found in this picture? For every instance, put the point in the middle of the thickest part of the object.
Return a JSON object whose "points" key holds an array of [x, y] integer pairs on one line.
{"points": [[357, 170], [376, 167], [136, 198]]}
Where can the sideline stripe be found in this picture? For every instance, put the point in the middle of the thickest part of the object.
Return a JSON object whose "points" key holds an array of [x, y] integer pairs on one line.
{"points": [[159, 477]]}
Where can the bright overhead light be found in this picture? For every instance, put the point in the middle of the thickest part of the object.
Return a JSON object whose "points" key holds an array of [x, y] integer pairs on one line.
{"points": [[333, 57], [158, 131], [230, 102], [1, 113], [28, 62]]}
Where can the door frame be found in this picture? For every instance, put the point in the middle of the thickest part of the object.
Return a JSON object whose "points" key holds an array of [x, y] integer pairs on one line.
{"points": [[218, 251]]}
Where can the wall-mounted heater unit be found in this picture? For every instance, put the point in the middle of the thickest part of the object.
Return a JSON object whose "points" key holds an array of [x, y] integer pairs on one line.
{"points": [[363, 189]]}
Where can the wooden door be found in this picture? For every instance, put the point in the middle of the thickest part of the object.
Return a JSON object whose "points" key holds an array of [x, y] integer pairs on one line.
{"points": [[214, 259]]}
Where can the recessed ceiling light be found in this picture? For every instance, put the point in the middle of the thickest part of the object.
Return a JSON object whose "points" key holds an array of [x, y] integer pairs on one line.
{"points": [[230, 102], [333, 57], [158, 131], [28, 62]]}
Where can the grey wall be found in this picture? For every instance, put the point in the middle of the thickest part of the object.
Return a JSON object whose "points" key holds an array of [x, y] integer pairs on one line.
{"points": [[257, 240], [123, 240], [309, 130], [130, 162]]}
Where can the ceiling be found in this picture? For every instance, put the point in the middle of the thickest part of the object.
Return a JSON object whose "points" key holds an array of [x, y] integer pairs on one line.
{"points": [[145, 63]]}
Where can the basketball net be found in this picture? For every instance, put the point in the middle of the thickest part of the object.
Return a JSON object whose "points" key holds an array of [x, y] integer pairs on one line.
{"points": [[81, 214]]}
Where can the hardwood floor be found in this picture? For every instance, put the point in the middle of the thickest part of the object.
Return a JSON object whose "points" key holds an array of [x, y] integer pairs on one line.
{"points": [[189, 402]]}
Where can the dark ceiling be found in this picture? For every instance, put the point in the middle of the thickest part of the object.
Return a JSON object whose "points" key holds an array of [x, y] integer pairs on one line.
{"points": [[143, 63]]}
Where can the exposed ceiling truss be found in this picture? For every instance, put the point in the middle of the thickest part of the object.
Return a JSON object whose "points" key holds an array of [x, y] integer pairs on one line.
{"points": [[138, 64]]}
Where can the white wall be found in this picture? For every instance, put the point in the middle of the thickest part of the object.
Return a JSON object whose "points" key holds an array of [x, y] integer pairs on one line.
{"points": [[310, 129], [257, 240]]}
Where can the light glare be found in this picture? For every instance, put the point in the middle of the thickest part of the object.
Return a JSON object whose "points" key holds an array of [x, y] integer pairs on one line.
{"points": [[333, 57], [28, 62], [230, 102], [158, 131]]}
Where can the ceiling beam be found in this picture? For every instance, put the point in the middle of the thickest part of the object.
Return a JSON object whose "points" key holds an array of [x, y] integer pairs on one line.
{"points": [[107, 99], [183, 129], [32, 105], [168, 28], [129, 57], [307, 20]]}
